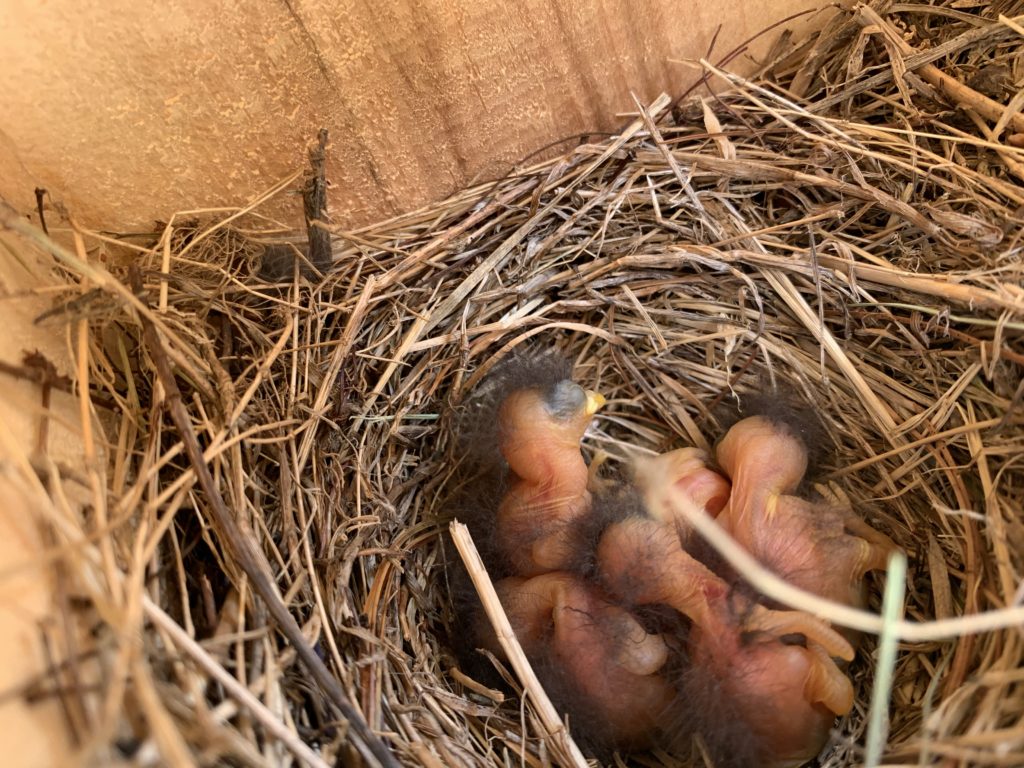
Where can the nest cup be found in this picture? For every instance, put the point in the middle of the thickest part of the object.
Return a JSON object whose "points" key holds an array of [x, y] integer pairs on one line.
{"points": [[825, 226]]}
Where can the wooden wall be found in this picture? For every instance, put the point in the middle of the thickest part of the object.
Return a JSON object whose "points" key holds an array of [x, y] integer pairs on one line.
{"points": [[131, 111]]}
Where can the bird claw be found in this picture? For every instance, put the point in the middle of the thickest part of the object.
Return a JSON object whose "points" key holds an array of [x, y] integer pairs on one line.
{"points": [[834, 496], [780, 623], [682, 471], [595, 483], [876, 547], [826, 684], [669, 467]]}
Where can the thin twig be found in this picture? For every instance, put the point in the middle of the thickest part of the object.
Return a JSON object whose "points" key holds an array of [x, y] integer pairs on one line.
{"points": [[239, 692], [510, 644], [249, 559], [314, 203]]}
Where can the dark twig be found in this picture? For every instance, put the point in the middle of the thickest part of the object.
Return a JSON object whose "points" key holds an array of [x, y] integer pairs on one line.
{"points": [[314, 202], [39, 366], [40, 194], [992, 33], [248, 558], [69, 705], [36, 367], [79, 304]]}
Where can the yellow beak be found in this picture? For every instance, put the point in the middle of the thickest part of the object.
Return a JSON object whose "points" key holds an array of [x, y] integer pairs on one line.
{"points": [[595, 401]]}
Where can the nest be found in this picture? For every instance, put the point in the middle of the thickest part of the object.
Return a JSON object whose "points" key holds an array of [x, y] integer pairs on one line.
{"points": [[847, 223]]}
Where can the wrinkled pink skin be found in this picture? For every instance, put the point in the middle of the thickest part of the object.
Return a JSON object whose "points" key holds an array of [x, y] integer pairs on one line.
{"points": [[549, 484], [817, 547], [821, 548], [608, 656], [788, 695], [769, 683]]}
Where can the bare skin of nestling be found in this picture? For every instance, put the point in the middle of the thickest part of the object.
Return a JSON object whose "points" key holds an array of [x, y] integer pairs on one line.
{"points": [[602, 653], [687, 471], [819, 547], [775, 670], [787, 690], [540, 435], [599, 649]]}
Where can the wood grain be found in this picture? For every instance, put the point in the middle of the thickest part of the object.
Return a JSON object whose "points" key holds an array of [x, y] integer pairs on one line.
{"points": [[130, 112]]}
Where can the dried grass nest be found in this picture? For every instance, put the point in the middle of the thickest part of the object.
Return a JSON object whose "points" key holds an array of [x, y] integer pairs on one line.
{"points": [[825, 224]]}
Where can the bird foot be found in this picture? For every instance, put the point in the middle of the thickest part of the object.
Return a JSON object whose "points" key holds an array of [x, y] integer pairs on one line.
{"points": [[876, 547], [826, 683], [685, 471], [780, 623]]}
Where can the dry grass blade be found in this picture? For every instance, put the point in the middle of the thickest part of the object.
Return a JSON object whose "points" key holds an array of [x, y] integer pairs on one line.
{"points": [[506, 636], [241, 548]]}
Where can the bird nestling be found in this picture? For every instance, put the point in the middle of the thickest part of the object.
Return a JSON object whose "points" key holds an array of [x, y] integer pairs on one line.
{"points": [[539, 433], [774, 669], [821, 547], [592, 649], [632, 634]]}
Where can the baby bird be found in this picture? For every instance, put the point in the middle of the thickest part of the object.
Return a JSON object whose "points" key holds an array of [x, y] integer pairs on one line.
{"points": [[592, 650], [629, 631], [773, 668], [822, 548], [539, 435], [773, 671]]}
